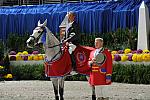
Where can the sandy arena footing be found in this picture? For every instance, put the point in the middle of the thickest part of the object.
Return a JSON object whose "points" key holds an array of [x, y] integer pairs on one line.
{"points": [[74, 90]]}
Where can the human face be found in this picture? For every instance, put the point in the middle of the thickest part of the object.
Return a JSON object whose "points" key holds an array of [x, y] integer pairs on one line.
{"points": [[98, 44], [71, 17]]}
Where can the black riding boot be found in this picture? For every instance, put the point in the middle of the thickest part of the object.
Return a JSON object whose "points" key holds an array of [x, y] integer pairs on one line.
{"points": [[61, 92], [56, 93], [61, 98], [93, 97], [56, 97], [73, 61]]}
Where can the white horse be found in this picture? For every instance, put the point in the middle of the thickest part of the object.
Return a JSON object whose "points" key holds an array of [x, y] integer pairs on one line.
{"points": [[53, 52]]}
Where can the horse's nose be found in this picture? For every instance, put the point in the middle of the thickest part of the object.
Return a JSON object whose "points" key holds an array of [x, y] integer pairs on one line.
{"points": [[29, 44]]}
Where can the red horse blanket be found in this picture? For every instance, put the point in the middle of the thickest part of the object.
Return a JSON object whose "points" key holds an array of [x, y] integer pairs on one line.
{"points": [[62, 66]]}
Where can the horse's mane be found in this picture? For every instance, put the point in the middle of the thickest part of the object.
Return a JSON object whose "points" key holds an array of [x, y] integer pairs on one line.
{"points": [[52, 47]]}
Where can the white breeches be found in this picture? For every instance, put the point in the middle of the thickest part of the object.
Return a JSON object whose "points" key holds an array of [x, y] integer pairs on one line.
{"points": [[72, 47]]}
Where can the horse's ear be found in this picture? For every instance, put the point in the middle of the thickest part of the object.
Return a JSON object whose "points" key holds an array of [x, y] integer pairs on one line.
{"points": [[45, 23], [39, 23]]}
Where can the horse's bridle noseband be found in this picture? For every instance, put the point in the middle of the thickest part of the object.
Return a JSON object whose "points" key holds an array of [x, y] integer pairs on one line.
{"points": [[32, 37], [41, 32]]}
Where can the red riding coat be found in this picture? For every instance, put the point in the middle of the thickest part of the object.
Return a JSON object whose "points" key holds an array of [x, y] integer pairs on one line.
{"points": [[101, 72]]}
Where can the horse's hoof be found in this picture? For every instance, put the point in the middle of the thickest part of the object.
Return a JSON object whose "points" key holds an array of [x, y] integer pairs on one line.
{"points": [[56, 97], [93, 97]]}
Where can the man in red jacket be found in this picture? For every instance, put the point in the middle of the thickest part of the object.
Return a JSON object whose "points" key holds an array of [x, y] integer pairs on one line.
{"points": [[101, 65], [101, 62]]}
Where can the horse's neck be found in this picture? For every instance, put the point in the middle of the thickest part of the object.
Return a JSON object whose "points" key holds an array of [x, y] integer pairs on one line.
{"points": [[52, 53]]}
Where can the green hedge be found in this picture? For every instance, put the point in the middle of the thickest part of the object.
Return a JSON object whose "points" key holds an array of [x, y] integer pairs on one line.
{"points": [[36, 72], [135, 74], [28, 72]]}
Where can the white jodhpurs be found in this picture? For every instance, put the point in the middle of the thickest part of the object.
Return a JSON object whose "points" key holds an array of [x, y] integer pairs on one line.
{"points": [[72, 47]]}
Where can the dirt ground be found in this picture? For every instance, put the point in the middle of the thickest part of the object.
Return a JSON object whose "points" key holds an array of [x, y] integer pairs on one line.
{"points": [[74, 90]]}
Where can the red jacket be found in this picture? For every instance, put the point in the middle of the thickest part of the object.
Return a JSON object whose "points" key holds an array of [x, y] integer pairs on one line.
{"points": [[102, 71]]}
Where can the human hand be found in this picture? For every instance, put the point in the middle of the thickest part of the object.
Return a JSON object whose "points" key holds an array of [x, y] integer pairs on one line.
{"points": [[64, 41], [108, 81], [67, 43], [93, 60]]}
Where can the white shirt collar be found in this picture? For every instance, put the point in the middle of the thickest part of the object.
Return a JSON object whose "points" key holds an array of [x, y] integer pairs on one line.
{"points": [[99, 49], [71, 23]]}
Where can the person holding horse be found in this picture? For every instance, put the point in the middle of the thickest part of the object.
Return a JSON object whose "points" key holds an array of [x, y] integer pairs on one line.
{"points": [[101, 66], [72, 38]]}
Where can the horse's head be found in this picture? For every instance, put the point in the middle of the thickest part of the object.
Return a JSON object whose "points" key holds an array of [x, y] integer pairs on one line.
{"points": [[37, 33]]}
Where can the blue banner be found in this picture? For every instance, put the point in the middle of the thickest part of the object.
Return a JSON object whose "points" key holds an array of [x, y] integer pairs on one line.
{"points": [[93, 17]]}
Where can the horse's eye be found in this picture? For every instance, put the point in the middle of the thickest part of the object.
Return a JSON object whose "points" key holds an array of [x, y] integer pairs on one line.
{"points": [[39, 31]]}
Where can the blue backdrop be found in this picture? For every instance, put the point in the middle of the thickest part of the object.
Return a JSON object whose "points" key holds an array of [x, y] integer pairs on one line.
{"points": [[93, 17]]}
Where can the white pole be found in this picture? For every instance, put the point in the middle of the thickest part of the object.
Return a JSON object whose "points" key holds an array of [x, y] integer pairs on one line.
{"points": [[143, 27]]}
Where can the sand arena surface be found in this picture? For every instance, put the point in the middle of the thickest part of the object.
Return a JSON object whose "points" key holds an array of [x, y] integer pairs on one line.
{"points": [[74, 90]]}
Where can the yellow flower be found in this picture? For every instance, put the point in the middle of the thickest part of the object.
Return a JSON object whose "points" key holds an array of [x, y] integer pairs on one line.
{"points": [[19, 56], [30, 57], [114, 52], [8, 76], [124, 57], [112, 56], [145, 51], [126, 51], [44, 55], [1, 67], [40, 57], [19, 53], [146, 57], [134, 57], [25, 52], [139, 57], [35, 57]]}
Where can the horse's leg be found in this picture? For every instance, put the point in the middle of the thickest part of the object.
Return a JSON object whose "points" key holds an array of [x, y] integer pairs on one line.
{"points": [[61, 88], [93, 93], [55, 85]]}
